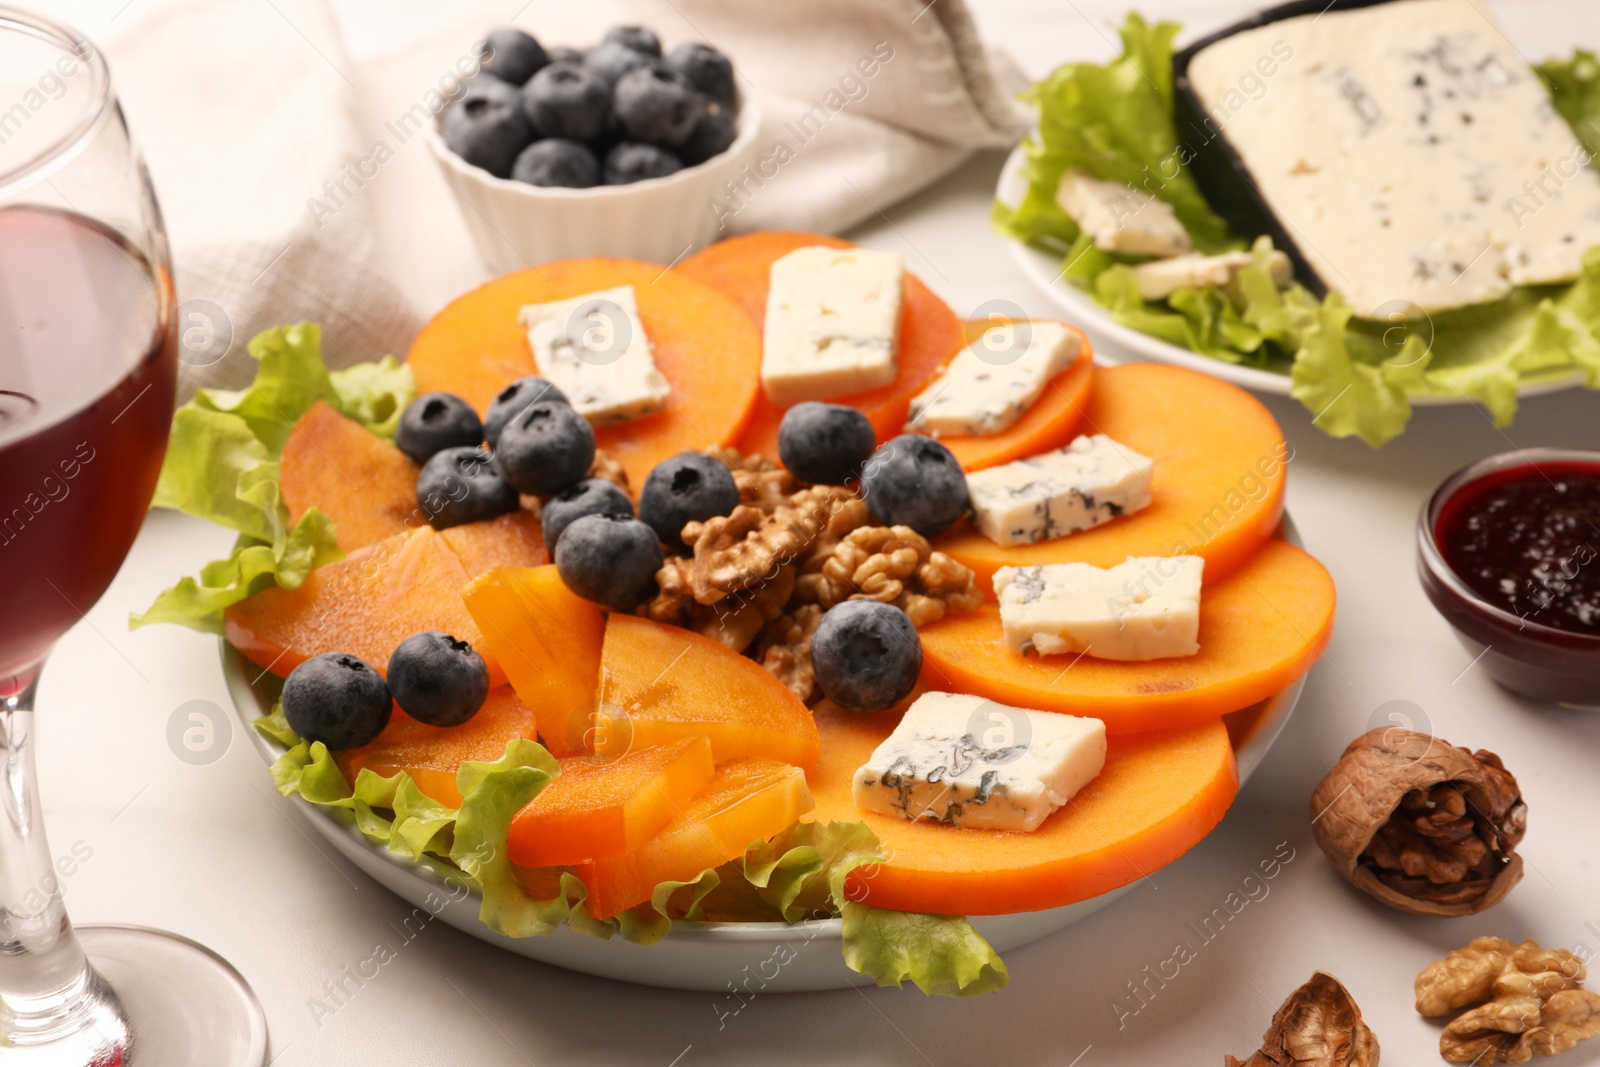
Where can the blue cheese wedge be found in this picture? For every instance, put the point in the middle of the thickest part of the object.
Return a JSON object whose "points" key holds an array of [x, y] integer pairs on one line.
{"points": [[994, 380], [1121, 218], [1147, 607], [970, 762], [1091, 481], [594, 349], [1160, 278], [1409, 152], [833, 323]]}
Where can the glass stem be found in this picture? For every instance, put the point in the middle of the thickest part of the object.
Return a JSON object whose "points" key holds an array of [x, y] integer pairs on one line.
{"points": [[46, 984]]}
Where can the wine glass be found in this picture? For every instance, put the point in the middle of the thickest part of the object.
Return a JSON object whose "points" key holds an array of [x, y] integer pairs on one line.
{"points": [[88, 365]]}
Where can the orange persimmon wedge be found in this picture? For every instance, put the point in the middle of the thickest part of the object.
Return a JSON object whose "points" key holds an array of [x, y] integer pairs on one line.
{"points": [[431, 755], [1052, 422], [706, 349], [363, 483], [599, 809], [1260, 629], [659, 684], [510, 540], [364, 605], [748, 800], [548, 639], [1157, 796], [930, 333], [1220, 461]]}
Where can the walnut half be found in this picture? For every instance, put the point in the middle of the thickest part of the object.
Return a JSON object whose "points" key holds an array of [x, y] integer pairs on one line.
{"points": [[1423, 826], [1318, 1026], [1523, 1000]]}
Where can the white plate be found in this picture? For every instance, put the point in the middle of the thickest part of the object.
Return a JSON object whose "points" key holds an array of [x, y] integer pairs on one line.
{"points": [[715, 957], [1044, 269]]}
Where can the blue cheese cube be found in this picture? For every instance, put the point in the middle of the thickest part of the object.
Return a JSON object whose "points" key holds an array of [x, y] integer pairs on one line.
{"points": [[994, 380], [1091, 481], [1147, 607], [1120, 218], [1160, 278], [594, 349], [833, 323], [970, 762]]}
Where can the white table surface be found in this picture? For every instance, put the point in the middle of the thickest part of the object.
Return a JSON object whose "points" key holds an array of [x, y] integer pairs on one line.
{"points": [[211, 852]]}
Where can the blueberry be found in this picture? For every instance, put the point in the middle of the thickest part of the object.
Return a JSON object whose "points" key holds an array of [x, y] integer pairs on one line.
{"points": [[633, 162], [914, 481], [611, 60], [557, 162], [545, 448], [567, 100], [486, 126], [438, 679], [635, 37], [866, 655], [713, 134], [563, 54], [461, 485], [592, 496], [825, 444], [510, 401], [434, 422], [512, 56], [609, 559], [656, 104], [689, 487], [706, 68], [337, 699]]}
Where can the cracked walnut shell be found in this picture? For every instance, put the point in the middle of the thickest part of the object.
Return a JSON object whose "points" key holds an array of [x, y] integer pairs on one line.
{"points": [[1423, 826], [1318, 1026], [1523, 1000]]}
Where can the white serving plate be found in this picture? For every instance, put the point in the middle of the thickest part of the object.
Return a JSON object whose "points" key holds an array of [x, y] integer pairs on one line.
{"points": [[1043, 268], [714, 957]]}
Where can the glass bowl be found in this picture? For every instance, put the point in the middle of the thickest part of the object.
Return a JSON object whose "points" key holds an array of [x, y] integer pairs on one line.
{"points": [[1522, 654]]}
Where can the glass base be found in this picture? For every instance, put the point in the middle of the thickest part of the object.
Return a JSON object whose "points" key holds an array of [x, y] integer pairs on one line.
{"points": [[182, 1006]]}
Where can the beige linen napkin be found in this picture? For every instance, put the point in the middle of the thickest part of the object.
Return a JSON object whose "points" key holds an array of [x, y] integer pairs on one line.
{"points": [[255, 122], [244, 110]]}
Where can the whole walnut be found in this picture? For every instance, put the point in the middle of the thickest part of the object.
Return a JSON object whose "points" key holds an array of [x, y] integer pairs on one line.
{"points": [[1421, 825]]}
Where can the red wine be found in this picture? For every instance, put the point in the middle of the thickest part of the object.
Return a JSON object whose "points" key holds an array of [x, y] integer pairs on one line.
{"points": [[88, 365]]}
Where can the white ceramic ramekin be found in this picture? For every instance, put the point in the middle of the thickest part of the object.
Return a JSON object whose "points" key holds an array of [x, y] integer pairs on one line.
{"points": [[515, 225]]}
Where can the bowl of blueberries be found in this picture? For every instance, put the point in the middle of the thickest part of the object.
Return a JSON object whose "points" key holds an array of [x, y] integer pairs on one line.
{"points": [[618, 150]]}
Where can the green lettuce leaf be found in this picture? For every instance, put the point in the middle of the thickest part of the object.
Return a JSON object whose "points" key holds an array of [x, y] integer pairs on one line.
{"points": [[1114, 121], [1356, 377], [942, 954], [800, 874], [222, 466]]}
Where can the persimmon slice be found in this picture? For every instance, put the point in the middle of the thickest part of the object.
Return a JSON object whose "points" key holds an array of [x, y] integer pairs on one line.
{"points": [[1260, 629], [930, 333], [707, 350], [748, 800], [601, 809], [1052, 422], [431, 755], [660, 683], [364, 605], [1220, 461], [363, 483], [512, 540], [548, 639], [1157, 796]]}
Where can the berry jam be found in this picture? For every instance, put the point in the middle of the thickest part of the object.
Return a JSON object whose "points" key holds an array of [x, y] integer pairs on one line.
{"points": [[1527, 540]]}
